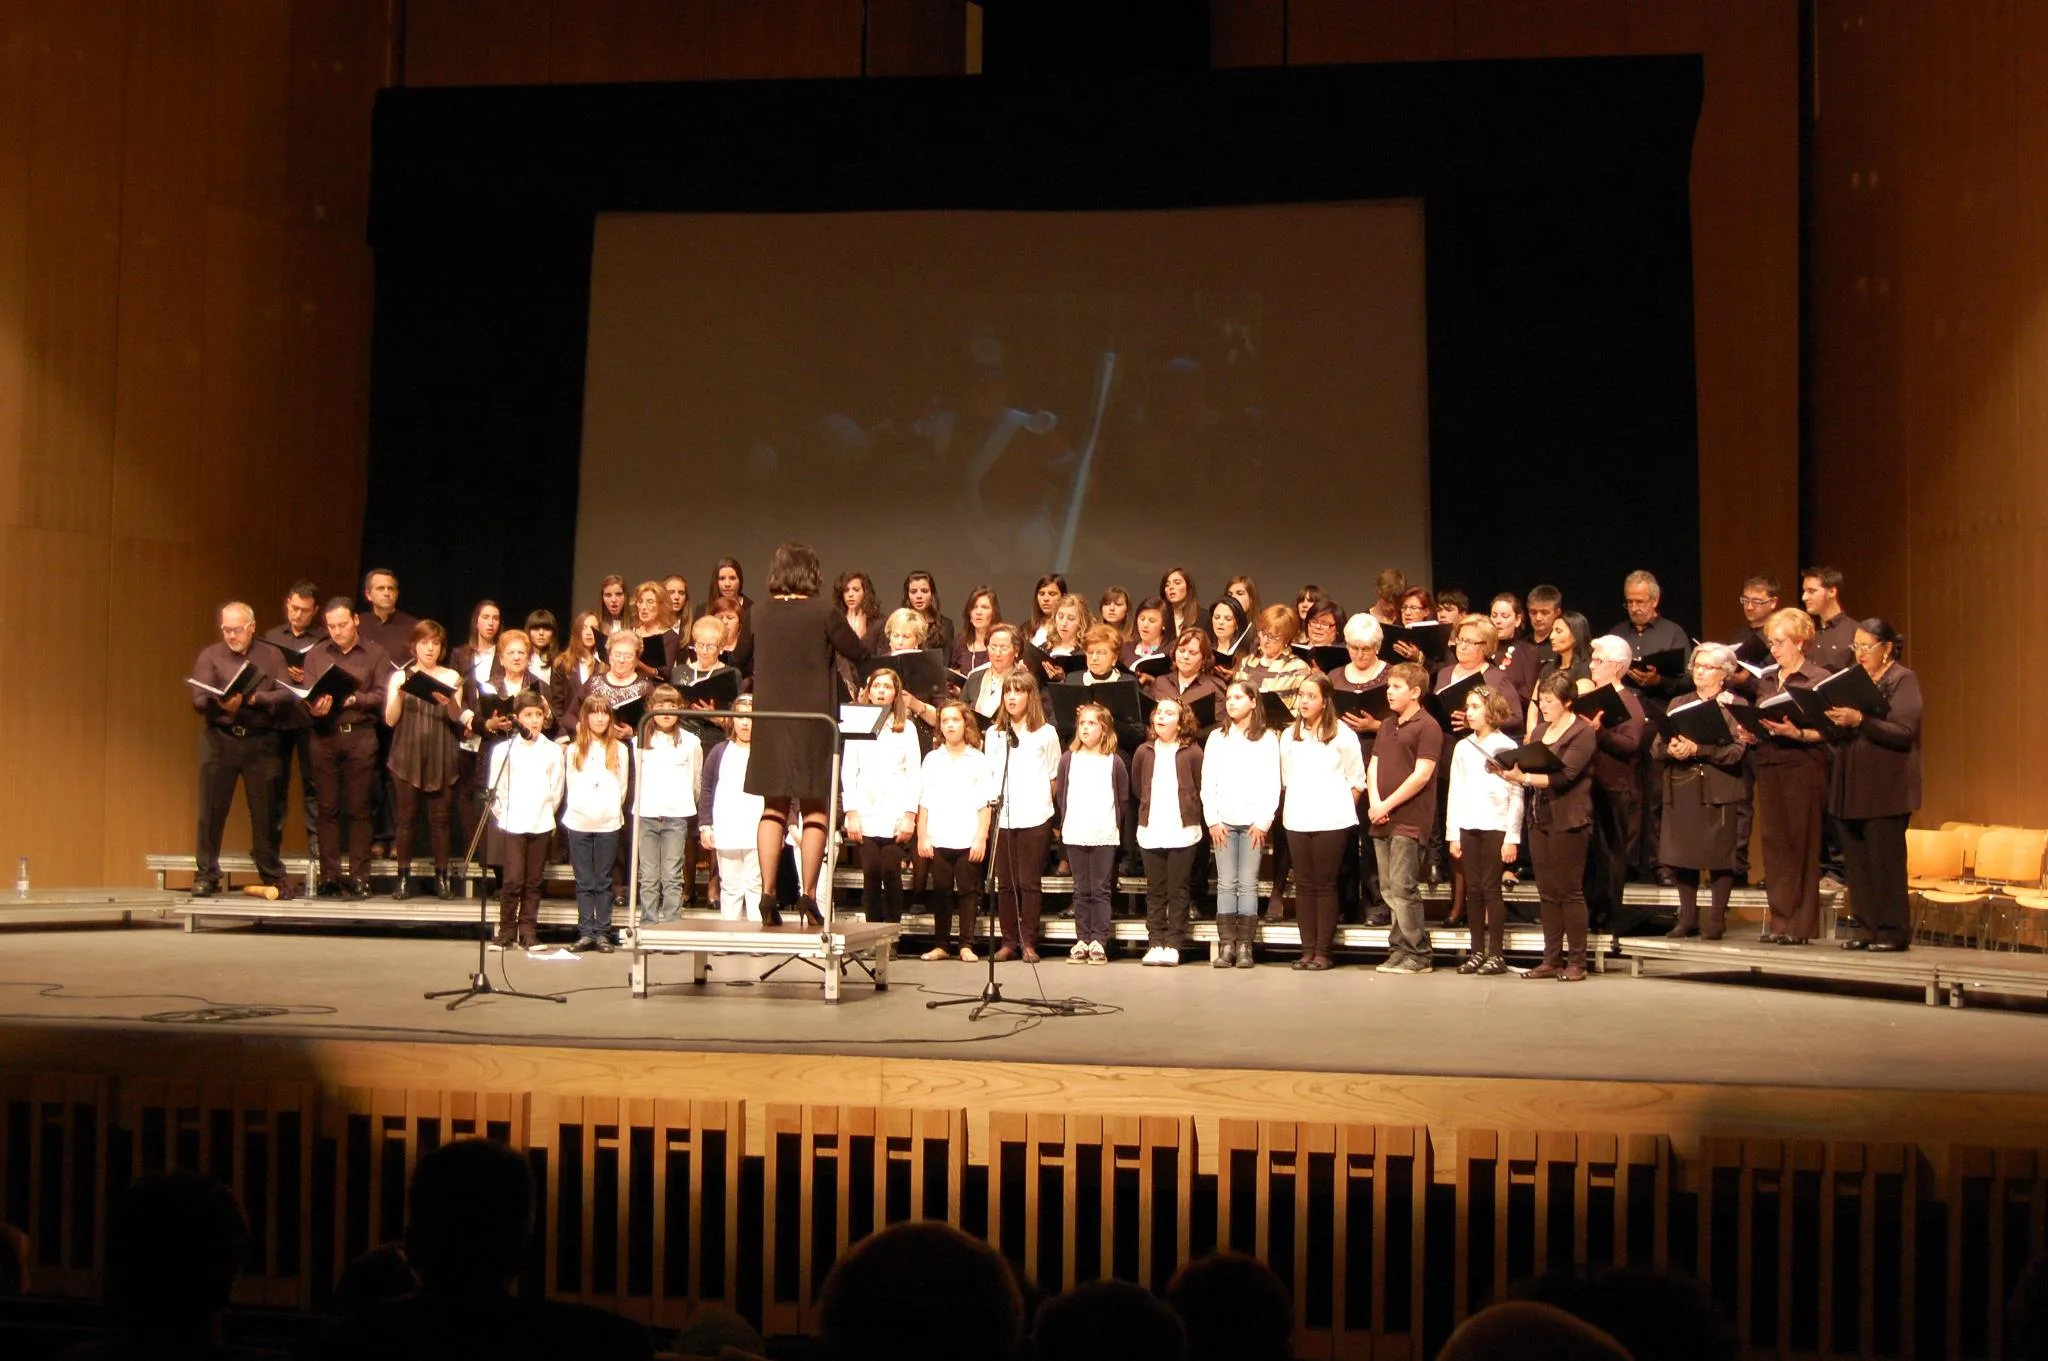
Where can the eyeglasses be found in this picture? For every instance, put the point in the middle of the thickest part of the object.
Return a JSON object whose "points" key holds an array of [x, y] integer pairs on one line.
{"points": [[1758, 600], [1469, 642], [1860, 648]]}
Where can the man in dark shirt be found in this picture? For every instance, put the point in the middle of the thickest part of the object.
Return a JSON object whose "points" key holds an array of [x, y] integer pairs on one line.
{"points": [[1647, 634], [344, 746], [391, 629], [240, 744], [1759, 598], [469, 1232], [1546, 603], [1820, 591], [1400, 792], [296, 636], [1834, 631]]}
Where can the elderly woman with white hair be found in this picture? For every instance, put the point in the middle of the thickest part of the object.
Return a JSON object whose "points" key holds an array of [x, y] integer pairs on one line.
{"points": [[1701, 785], [1617, 799]]}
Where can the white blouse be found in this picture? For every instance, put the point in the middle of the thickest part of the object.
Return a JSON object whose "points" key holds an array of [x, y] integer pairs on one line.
{"points": [[669, 772], [1091, 800], [735, 814], [880, 778], [1319, 777], [1240, 779], [1031, 768], [596, 793], [1479, 800], [529, 794], [952, 791]]}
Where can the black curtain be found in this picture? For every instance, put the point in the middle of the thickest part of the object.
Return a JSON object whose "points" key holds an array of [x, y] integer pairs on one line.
{"points": [[1563, 438]]}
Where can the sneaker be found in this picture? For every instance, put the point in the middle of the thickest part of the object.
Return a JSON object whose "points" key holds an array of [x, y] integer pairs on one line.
{"points": [[937, 952], [1151, 959], [1079, 954], [1415, 964], [1388, 965], [1169, 957], [1096, 954], [967, 955]]}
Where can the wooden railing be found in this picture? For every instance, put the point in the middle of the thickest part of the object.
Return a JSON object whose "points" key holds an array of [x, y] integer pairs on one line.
{"points": [[653, 1207]]}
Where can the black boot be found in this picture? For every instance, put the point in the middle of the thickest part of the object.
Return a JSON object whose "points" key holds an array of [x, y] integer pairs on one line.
{"points": [[403, 889]]}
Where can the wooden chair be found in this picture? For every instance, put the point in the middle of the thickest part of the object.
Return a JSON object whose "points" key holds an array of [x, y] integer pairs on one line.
{"points": [[1971, 833], [1943, 902], [2009, 860]]}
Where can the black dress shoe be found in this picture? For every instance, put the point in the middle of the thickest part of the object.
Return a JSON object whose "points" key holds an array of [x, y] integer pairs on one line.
{"points": [[1666, 877], [1856, 945], [444, 887], [205, 888], [359, 888], [329, 888], [402, 890]]}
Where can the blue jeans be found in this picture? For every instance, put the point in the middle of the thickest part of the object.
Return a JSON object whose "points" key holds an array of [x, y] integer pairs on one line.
{"points": [[1237, 874], [661, 868], [591, 856], [1399, 857]]}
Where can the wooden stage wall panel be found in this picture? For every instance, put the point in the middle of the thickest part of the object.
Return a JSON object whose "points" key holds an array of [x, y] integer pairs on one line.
{"points": [[1391, 1207], [1930, 333]]}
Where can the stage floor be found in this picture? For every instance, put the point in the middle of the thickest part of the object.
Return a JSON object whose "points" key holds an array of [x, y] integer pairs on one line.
{"points": [[1351, 1020]]}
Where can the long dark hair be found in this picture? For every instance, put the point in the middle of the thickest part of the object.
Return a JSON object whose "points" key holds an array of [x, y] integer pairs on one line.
{"points": [[870, 608], [794, 570], [934, 613]]}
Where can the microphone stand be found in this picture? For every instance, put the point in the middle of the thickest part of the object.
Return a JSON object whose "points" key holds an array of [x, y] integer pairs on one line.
{"points": [[480, 982], [991, 993]]}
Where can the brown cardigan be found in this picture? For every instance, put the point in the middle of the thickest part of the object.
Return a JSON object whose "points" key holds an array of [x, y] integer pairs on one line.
{"points": [[1187, 772], [1567, 804]]}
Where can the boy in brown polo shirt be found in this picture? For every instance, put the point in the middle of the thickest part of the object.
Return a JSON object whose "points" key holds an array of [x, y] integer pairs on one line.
{"points": [[1400, 789]]}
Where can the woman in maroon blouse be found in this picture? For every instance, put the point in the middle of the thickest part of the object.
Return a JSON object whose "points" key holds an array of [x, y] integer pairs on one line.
{"points": [[1875, 789], [1560, 827]]}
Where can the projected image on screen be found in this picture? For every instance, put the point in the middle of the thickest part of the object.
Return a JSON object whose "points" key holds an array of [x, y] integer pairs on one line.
{"points": [[992, 396]]}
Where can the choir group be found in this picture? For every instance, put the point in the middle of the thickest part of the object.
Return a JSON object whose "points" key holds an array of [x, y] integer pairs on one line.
{"points": [[1365, 753]]}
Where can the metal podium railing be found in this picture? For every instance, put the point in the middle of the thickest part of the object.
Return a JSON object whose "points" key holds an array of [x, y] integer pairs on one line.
{"points": [[831, 723]]}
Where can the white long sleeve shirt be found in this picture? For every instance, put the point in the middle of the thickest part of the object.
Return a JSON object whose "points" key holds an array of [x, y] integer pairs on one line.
{"points": [[1319, 777], [735, 814], [1031, 768], [597, 793], [954, 789], [1240, 779], [668, 770], [1480, 801], [880, 780], [1091, 801], [531, 791]]}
